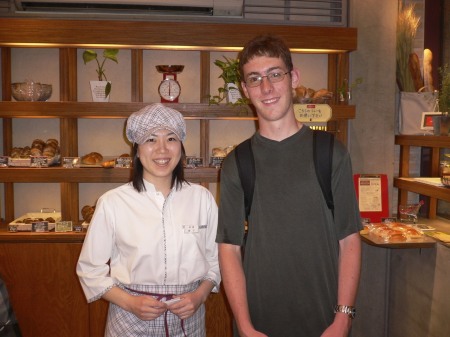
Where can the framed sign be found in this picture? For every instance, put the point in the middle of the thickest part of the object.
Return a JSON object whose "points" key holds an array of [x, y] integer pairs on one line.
{"points": [[372, 193], [427, 120]]}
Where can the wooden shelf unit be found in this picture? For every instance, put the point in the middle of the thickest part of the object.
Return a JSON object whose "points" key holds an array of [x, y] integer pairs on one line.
{"points": [[405, 183], [69, 35]]}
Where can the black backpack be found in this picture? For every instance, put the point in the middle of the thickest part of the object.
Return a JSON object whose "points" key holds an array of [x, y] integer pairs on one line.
{"points": [[323, 143]]}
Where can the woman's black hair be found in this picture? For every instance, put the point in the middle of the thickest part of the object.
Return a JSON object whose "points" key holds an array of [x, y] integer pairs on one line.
{"points": [[137, 175]]}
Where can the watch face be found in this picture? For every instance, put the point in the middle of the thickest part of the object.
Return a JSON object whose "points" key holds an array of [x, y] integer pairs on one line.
{"points": [[169, 89]]}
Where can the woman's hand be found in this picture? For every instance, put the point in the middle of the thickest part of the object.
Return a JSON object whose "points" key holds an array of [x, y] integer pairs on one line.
{"points": [[146, 307], [190, 302], [187, 306]]}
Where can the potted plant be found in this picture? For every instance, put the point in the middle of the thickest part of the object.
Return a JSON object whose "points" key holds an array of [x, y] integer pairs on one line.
{"points": [[101, 88], [441, 123], [345, 90], [231, 89]]}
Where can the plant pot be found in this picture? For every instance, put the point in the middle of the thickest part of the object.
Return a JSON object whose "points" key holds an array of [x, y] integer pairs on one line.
{"points": [[233, 93], [98, 91]]}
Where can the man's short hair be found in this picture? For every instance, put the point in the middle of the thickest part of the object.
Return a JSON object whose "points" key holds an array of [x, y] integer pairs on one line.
{"points": [[265, 45]]}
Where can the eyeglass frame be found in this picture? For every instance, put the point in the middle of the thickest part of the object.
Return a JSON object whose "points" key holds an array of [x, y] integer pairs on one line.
{"points": [[269, 78]]}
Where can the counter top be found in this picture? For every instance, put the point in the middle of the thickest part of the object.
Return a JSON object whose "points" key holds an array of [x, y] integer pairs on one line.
{"points": [[31, 237]]}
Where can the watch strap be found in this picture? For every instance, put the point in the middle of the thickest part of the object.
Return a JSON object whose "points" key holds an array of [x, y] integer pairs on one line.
{"points": [[350, 311]]}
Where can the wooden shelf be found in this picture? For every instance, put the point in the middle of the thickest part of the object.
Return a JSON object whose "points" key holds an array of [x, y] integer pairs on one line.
{"points": [[409, 184], [405, 183], [154, 34], [423, 141], [91, 175], [123, 110]]}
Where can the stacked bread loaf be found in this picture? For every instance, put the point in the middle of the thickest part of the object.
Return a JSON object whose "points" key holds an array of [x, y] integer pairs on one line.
{"points": [[49, 148]]}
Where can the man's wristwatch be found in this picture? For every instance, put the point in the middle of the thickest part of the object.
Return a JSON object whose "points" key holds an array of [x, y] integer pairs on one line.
{"points": [[350, 311]]}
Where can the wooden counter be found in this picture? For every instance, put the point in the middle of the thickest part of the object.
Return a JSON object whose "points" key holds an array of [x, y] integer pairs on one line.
{"points": [[39, 272]]}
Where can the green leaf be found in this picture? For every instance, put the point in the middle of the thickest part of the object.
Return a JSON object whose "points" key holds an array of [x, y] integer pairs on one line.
{"points": [[111, 54], [107, 89], [89, 55]]}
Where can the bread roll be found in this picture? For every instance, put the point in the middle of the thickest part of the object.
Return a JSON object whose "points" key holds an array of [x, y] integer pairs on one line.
{"points": [[109, 163], [49, 150], [92, 158], [218, 152], [87, 212], [36, 152], [38, 144]]}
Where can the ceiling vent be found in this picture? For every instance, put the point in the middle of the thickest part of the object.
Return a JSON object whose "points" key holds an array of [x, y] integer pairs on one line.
{"points": [[130, 7], [287, 12], [313, 12]]}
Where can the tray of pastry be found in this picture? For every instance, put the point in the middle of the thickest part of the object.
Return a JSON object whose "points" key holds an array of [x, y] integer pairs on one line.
{"points": [[95, 159], [39, 154], [24, 223], [395, 235]]}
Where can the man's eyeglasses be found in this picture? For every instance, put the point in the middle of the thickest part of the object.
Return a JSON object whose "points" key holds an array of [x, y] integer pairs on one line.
{"points": [[256, 80]]}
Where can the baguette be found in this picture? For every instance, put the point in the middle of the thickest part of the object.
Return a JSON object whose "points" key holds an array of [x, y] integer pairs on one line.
{"points": [[414, 68], [428, 70]]}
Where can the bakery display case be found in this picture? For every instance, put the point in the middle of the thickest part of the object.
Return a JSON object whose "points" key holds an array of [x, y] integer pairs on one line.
{"points": [[50, 258]]}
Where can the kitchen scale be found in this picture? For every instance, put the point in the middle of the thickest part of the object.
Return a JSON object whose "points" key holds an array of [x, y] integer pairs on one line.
{"points": [[169, 89]]}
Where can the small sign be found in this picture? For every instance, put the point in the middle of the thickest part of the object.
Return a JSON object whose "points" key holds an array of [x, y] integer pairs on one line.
{"points": [[39, 226], [123, 162], [63, 226], [78, 228], [71, 162], [4, 161], [312, 112], [372, 193], [39, 161], [193, 162], [217, 162]]}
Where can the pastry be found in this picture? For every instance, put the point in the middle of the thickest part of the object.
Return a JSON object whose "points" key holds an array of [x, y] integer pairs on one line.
{"points": [[218, 152], [87, 212], [92, 158]]}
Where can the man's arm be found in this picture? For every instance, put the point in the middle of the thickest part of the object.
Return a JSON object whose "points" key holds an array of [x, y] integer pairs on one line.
{"points": [[349, 272], [233, 278]]}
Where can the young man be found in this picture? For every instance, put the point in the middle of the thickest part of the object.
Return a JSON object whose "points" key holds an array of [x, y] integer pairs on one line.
{"points": [[300, 272]]}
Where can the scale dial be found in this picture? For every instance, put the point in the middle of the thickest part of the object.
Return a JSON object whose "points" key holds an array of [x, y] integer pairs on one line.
{"points": [[169, 90]]}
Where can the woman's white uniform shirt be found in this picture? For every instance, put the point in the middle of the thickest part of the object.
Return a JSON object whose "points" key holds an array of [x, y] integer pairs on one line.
{"points": [[143, 238]]}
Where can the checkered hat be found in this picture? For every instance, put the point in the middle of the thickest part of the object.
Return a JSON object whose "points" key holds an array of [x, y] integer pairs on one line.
{"points": [[141, 124]]}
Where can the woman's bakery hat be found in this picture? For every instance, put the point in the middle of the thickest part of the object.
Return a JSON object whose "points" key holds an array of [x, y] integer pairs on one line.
{"points": [[141, 124]]}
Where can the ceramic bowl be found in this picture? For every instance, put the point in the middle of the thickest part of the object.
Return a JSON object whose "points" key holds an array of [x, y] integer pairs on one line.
{"points": [[31, 91]]}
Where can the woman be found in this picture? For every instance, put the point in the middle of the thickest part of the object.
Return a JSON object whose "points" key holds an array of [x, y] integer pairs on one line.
{"points": [[150, 247]]}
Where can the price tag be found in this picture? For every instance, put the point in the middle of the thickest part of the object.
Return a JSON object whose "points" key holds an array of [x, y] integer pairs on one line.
{"points": [[71, 162], [39, 161], [39, 226], [3, 161], [63, 226], [312, 112], [123, 162], [192, 162]]}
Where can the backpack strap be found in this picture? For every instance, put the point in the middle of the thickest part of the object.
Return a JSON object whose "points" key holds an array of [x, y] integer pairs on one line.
{"points": [[246, 168], [323, 143]]}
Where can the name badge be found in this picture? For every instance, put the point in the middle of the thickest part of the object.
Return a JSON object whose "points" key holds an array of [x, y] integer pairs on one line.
{"points": [[190, 229]]}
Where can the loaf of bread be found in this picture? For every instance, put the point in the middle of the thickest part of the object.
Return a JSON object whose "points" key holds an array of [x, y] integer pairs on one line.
{"points": [[87, 212], [92, 158], [109, 163], [218, 152]]}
